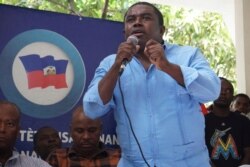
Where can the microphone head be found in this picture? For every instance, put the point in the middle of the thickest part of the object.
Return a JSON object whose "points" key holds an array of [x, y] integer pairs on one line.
{"points": [[133, 39]]}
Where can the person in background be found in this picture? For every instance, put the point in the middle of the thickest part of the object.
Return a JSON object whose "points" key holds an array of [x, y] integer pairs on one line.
{"points": [[241, 104], [9, 130], [156, 97], [46, 139], [227, 133], [87, 150]]}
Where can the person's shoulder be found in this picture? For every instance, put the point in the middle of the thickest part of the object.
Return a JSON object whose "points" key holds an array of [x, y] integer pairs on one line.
{"points": [[110, 57], [172, 46], [248, 115], [188, 51], [62, 152], [28, 158], [241, 119], [238, 115], [113, 152], [108, 60], [209, 115], [33, 161]]}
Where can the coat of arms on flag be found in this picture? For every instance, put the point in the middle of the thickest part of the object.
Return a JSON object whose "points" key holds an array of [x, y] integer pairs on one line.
{"points": [[44, 71]]}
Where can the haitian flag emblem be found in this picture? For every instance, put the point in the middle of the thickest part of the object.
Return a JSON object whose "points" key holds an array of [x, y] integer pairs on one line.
{"points": [[44, 71]]}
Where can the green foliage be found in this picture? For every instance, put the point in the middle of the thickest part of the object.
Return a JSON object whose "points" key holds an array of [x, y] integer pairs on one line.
{"points": [[205, 30]]}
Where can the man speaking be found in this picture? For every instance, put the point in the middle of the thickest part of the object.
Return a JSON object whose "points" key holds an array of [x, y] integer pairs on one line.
{"points": [[156, 98]]}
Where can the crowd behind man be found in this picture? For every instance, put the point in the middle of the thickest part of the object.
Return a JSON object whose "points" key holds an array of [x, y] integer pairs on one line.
{"points": [[46, 139], [9, 131], [227, 133], [241, 104], [87, 150]]}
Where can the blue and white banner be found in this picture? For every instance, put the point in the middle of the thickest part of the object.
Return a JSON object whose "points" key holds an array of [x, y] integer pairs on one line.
{"points": [[47, 60]]}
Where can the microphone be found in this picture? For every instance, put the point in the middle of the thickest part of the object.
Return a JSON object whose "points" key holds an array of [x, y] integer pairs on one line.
{"points": [[131, 39]]}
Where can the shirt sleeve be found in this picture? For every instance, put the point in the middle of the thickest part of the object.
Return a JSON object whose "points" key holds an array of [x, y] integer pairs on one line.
{"points": [[52, 159], [44, 164], [93, 105], [200, 80], [28, 161]]}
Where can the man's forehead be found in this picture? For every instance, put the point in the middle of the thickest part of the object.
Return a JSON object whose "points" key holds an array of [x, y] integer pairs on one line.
{"points": [[140, 9], [240, 98], [46, 131], [85, 124], [10, 114], [86, 127], [7, 119]]}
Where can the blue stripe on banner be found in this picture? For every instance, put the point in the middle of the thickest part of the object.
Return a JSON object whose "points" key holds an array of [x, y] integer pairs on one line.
{"points": [[61, 66], [33, 62]]}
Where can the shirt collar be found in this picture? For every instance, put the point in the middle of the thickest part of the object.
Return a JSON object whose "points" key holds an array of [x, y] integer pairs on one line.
{"points": [[101, 153]]}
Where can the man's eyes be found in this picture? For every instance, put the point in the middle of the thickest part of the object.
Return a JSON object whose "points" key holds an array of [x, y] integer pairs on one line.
{"points": [[10, 124], [90, 130], [143, 18], [147, 17], [46, 137], [130, 19]]}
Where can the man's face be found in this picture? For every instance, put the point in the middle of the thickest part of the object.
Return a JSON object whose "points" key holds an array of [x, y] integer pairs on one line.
{"points": [[226, 95], [9, 127], [85, 134], [241, 104], [47, 140], [142, 21]]}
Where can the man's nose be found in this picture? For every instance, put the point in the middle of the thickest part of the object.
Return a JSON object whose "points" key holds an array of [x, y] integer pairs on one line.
{"points": [[51, 139], [241, 106], [138, 20], [85, 135], [2, 127], [224, 91]]}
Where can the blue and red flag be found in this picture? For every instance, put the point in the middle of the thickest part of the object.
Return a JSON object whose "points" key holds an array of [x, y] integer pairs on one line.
{"points": [[204, 110], [44, 71]]}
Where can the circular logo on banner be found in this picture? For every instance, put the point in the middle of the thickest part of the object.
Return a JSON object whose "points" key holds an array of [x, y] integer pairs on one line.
{"points": [[42, 72]]}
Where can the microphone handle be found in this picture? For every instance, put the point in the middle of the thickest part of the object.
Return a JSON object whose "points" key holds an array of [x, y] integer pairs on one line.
{"points": [[131, 39], [123, 65]]}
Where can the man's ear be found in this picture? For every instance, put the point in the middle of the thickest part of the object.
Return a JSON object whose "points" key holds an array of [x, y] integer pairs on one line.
{"points": [[123, 31], [70, 131], [18, 131], [35, 149], [162, 30]]}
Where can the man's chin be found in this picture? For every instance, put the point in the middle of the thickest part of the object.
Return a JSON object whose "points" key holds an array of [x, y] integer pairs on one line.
{"points": [[53, 147], [86, 152], [4, 148], [84, 148], [221, 104]]}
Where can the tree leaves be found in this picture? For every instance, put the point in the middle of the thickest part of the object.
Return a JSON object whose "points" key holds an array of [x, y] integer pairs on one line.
{"points": [[205, 30]]}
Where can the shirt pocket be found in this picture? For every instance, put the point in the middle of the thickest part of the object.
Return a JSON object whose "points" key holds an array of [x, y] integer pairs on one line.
{"points": [[185, 151]]}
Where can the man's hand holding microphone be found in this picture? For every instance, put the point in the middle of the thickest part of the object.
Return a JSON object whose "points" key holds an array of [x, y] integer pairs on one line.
{"points": [[126, 51]]}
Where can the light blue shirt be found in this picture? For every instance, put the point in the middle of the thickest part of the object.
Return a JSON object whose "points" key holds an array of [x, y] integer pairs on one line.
{"points": [[166, 117], [18, 160]]}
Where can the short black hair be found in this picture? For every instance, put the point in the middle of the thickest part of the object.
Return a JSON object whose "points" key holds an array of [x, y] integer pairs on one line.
{"points": [[241, 95], [229, 82], [13, 106], [157, 11]]}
